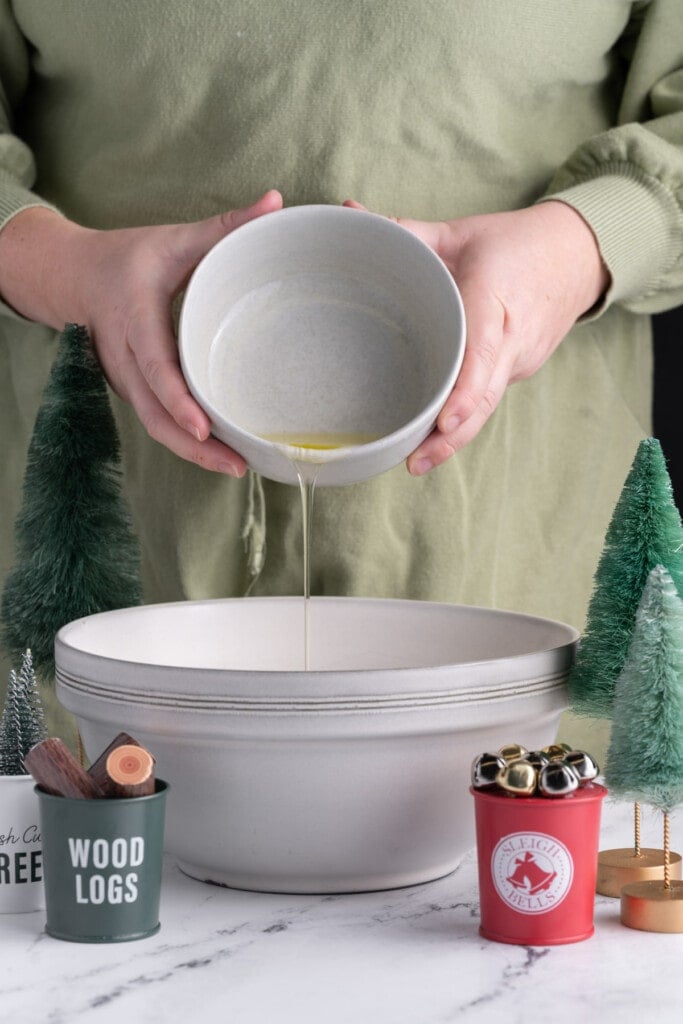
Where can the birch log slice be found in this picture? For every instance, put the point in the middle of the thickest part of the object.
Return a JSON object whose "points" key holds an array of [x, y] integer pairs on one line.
{"points": [[131, 771]]}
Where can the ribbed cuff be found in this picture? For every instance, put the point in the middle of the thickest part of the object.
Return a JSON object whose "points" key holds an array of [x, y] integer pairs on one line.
{"points": [[13, 199], [636, 222]]}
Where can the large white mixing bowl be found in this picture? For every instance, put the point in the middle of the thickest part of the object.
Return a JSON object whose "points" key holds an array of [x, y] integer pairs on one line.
{"points": [[351, 776]]}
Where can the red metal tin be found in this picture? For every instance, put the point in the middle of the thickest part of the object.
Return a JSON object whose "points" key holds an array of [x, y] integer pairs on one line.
{"points": [[537, 859]]}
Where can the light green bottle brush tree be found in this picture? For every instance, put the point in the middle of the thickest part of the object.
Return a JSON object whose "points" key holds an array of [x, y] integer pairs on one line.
{"points": [[645, 758]]}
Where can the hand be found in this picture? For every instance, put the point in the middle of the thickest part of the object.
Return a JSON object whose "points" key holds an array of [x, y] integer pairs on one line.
{"points": [[120, 284], [525, 278]]}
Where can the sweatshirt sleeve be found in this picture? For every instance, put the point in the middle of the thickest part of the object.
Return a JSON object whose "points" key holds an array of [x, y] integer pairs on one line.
{"points": [[17, 166], [627, 183]]}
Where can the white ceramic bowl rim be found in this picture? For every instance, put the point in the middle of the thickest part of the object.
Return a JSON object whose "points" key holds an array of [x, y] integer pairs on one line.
{"points": [[115, 679]]}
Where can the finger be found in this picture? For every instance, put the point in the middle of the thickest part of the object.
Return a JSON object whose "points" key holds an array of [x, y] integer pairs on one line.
{"points": [[430, 232], [150, 339], [192, 241], [439, 447], [485, 348], [210, 454], [485, 374]]}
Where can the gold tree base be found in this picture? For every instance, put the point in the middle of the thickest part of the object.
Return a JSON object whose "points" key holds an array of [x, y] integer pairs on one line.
{"points": [[649, 907], [617, 868]]}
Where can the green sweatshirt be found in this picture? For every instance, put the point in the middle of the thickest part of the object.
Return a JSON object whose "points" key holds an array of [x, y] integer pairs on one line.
{"points": [[153, 111]]}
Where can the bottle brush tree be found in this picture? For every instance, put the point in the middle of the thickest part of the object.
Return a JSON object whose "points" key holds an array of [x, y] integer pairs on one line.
{"points": [[22, 724], [645, 758], [645, 531], [76, 552]]}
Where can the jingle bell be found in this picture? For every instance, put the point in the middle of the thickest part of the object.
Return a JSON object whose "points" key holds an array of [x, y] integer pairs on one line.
{"points": [[512, 752], [583, 764], [518, 777], [537, 759], [485, 769], [556, 750], [557, 779]]}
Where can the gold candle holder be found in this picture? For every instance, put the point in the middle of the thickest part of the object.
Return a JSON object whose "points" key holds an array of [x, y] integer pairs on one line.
{"points": [[633, 865], [655, 906]]}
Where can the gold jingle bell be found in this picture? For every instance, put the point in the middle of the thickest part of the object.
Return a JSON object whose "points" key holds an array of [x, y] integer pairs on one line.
{"points": [[556, 750], [485, 770], [518, 777], [557, 779], [512, 752]]}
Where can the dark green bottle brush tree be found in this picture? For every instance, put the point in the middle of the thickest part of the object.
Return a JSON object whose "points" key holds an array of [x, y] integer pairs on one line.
{"points": [[76, 551]]}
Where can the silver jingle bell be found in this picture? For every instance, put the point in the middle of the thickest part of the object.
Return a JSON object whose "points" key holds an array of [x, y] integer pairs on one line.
{"points": [[583, 764], [537, 758], [557, 779], [485, 769]]}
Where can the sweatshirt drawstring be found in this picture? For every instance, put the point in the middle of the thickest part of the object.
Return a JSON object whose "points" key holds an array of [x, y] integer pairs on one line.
{"points": [[254, 528]]}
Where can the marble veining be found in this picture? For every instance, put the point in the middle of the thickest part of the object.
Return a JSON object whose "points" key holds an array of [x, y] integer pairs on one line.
{"points": [[409, 956]]}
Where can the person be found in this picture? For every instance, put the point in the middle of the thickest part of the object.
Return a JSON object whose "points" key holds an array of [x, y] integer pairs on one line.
{"points": [[537, 147]]}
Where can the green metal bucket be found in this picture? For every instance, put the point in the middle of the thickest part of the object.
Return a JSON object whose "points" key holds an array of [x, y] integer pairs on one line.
{"points": [[102, 862]]}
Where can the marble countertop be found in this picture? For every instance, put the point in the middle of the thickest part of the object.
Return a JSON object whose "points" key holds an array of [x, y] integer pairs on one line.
{"points": [[408, 956]]}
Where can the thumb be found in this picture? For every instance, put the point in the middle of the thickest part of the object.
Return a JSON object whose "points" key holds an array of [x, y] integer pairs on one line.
{"points": [[194, 240], [429, 232]]}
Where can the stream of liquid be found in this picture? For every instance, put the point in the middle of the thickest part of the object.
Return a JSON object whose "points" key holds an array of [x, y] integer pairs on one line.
{"points": [[301, 450], [307, 473]]}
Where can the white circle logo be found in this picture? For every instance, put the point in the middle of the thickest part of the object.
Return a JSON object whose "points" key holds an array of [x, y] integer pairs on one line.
{"points": [[532, 872]]}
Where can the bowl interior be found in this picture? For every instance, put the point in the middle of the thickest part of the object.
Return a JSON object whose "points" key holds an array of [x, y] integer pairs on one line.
{"points": [[320, 321]]}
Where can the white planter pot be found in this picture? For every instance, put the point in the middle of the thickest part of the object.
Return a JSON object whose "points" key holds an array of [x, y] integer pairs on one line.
{"points": [[21, 853]]}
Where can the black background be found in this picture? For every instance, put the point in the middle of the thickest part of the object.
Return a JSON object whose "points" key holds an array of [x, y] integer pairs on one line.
{"points": [[668, 393]]}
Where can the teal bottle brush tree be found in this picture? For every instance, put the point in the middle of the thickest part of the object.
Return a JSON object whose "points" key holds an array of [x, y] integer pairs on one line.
{"points": [[645, 758], [645, 531]]}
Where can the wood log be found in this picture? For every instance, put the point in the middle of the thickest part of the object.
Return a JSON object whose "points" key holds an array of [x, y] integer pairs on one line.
{"points": [[131, 771], [98, 769], [57, 771]]}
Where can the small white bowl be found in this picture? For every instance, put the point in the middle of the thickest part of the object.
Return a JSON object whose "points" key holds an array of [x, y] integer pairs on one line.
{"points": [[316, 323], [351, 776]]}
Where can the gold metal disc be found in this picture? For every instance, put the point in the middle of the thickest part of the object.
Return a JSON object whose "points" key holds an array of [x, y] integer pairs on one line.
{"points": [[617, 868], [649, 907]]}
